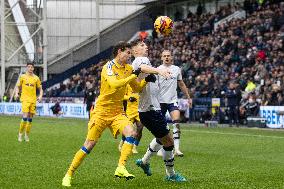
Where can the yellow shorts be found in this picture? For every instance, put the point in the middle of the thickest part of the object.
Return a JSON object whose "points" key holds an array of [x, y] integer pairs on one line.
{"points": [[98, 124], [28, 107], [134, 118]]}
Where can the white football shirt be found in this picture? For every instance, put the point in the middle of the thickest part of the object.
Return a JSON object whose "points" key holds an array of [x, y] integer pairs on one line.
{"points": [[148, 99], [168, 87]]}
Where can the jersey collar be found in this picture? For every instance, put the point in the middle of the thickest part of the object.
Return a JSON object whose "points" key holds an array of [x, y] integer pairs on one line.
{"points": [[29, 74], [117, 64]]}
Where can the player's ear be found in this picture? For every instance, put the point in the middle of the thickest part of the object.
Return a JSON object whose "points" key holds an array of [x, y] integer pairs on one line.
{"points": [[118, 51]]}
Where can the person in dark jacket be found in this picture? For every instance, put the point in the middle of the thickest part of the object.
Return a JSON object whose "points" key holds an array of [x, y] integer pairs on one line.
{"points": [[232, 98], [56, 109], [89, 98]]}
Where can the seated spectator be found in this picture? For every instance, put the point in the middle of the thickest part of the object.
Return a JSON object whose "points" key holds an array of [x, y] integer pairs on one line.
{"points": [[56, 109], [252, 107]]}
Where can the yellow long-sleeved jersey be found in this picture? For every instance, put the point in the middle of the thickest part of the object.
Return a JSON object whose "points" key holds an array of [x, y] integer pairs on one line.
{"points": [[114, 79]]}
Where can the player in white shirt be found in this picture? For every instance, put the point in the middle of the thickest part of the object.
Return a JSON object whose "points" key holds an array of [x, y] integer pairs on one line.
{"points": [[168, 96], [151, 116]]}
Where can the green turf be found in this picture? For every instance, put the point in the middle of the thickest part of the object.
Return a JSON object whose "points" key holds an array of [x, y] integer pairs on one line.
{"points": [[214, 157]]}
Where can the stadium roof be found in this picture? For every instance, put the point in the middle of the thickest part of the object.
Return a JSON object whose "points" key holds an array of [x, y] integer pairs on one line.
{"points": [[165, 1]]}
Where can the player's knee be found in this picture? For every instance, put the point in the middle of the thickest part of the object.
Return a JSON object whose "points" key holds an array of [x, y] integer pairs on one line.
{"points": [[167, 140], [133, 134], [129, 132]]}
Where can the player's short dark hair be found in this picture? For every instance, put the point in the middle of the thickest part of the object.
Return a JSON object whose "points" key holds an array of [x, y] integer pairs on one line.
{"points": [[31, 63], [167, 50], [122, 45], [135, 42]]}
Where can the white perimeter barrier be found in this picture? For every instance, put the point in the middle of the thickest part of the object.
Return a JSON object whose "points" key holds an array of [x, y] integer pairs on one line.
{"points": [[274, 116], [68, 109], [43, 109]]}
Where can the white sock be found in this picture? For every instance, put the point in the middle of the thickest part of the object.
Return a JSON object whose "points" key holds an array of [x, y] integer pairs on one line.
{"points": [[153, 148], [168, 157], [176, 136]]}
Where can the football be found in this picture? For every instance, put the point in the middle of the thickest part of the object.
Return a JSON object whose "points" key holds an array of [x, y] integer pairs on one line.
{"points": [[163, 25]]}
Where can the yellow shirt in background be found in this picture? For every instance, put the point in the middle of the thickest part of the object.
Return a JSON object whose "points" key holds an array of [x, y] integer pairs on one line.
{"points": [[29, 84]]}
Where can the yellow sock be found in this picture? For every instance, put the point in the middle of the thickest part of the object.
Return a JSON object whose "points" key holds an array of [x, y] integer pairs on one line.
{"points": [[77, 160], [126, 151], [22, 126], [28, 127]]}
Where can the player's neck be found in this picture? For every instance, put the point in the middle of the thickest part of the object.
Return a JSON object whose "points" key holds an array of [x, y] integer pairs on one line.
{"points": [[121, 63], [30, 74], [167, 65], [140, 55]]}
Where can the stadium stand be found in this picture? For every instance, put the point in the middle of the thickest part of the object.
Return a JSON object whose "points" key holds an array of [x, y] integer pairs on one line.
{"points": [[247, 52]]}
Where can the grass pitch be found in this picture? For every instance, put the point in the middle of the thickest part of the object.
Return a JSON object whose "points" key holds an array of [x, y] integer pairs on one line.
{"points": [[214, 157]]}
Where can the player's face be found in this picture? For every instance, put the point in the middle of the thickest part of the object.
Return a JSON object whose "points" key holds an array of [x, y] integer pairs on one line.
{"points": [[30, 69], [141, 49], [167, 57], [125, 55]]}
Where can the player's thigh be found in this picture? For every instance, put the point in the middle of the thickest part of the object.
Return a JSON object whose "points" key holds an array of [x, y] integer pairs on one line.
{"points": [[121, 124], [155, 122], [25, 108], [96, 126], [32, 109], [174, 111]]}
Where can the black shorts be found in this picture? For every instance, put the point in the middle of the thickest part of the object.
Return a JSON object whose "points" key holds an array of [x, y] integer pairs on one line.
{"points": [[155, 122], [168, 107]]}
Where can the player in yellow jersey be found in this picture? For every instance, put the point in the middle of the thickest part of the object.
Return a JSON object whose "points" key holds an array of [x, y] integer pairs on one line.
{"points": [[132, 99], [108, 111], [28, 85]]}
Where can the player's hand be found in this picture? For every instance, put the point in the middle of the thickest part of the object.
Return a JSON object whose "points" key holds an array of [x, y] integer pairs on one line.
{"points": [[165, 73], [39, 99], [132, 99], [136, 72], [151, 78], [16, 96]]}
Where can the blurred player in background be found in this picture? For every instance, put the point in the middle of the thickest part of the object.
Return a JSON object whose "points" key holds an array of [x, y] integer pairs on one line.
{"points": [[109, 113], [27, 88], [89, 97], [132, 99], [168, 96], [151, 116]]}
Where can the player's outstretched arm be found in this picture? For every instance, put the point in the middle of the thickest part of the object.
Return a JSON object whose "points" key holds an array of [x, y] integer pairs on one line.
{"points": [[114, 82], [151, 70], [137, 86]]}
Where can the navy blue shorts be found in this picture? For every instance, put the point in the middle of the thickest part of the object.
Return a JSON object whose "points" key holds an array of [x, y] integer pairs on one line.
{"points": [[168, 107], [155, 122]]}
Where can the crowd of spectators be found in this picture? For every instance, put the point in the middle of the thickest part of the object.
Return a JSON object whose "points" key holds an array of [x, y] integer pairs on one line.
{"points": [[76, 86], [242, 59]]}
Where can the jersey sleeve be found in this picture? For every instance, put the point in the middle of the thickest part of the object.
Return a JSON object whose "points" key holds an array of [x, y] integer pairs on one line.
{"points": [[139, 61], [110, 78], [179, 76], [20, 82], [38, 83]]}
